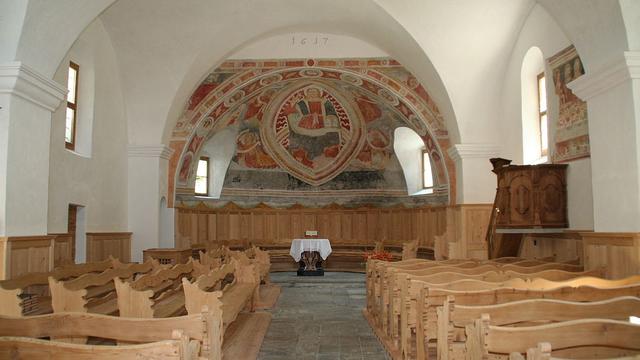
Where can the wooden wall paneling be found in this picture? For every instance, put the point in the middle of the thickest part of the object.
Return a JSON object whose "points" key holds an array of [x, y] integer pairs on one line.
{"points": [[346, 220], [203, 229], [359, 228], [212, 235], [284, 227], [63, 249], [257, 227], [222, 227], [372, 227], [270, 228], [309, 221], [245, 228], [383, 227], [335, 226], [563, 246], [619, 253], [102, 245], [29, 254], [5, 257], [323, 219]]}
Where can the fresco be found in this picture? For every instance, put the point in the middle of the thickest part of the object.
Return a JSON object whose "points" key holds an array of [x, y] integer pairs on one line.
{"points": [[310, 126], [572, 127]]}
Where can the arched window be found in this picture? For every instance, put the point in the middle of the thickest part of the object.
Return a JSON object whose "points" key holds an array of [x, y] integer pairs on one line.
{"points": [[415, 161], [535, 127]]}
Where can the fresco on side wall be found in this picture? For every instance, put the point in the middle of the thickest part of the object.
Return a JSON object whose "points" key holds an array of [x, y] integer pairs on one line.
{"points": [[572, 127]]}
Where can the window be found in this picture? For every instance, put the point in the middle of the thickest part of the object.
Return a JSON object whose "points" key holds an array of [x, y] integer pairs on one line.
{"points": [[72, 106], [202, 177], [427, 176], [542, 115]]}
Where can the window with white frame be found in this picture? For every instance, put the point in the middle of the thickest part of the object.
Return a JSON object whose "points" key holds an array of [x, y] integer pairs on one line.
{"points": [[202, 177], [427, 175], [72, 106], [542, 115]]}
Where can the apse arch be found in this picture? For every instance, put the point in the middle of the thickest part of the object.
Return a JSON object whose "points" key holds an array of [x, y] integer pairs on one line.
{"points": [[250, 79]]}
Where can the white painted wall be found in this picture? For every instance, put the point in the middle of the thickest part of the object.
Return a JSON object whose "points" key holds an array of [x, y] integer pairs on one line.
{"points": [[24, 164], [308, 45], [532, 65], [408, 148], [98, 182], [220, 149], [541, 31], [167, 225]]}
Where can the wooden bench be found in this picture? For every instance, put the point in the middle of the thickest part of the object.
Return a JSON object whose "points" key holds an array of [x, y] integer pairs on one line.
{"points": [[95, 292], [465, 279], [453, 319], [29, 294], [386, 299], [262, 260], [601, 338], [158, 294], [217, 292], [186, 337], [421, 313]]}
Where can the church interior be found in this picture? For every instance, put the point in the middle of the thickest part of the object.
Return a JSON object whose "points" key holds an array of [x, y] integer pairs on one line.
{"points": [[363, 179]]}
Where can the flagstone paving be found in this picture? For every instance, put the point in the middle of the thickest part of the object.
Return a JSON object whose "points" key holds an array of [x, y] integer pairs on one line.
{"points": [[320, 318]]}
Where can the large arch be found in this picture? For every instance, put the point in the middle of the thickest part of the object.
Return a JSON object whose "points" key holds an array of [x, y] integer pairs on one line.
{"points": [[251, 78]]}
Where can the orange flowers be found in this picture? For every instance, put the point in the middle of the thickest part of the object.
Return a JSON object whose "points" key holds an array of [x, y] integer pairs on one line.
{"points": [[378, 255]]}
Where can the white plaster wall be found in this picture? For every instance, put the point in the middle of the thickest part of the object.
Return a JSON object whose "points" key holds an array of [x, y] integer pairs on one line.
{"points": [[308, 45], [144, 202], [614, 151], [220, 149], [532, 65], [541, 30], [25, 188], [99, 182], [11, 20], [408, 148]]}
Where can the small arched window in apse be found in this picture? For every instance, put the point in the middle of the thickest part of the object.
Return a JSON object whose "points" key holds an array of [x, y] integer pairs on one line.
{"points": [[415, 161], [535, 126]]}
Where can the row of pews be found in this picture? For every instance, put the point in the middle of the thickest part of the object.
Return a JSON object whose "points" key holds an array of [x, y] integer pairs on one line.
{"points": [[506, 308], [132, 311]]}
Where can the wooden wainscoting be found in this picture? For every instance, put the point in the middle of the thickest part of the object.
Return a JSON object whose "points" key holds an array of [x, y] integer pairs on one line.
{"points": [[466, 230], [63, 251], [102, 245], [24, 254], [563, 246], [619, 253], [233, 225]]}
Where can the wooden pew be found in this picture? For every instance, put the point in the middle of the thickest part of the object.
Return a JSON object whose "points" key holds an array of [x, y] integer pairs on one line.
{"points": [[263, 262], [452, 318], [156, 295], [213, 291], [604, 338], [95, 292], [420, 312], [186, 337], [29, 294], [377, 271], [388, 304]]}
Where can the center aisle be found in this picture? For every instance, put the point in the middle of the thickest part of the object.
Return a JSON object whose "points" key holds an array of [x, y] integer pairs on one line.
{"points": [[320, 318]]}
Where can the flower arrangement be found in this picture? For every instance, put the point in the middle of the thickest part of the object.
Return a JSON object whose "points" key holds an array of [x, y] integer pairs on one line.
{"points": [[378, 255]]}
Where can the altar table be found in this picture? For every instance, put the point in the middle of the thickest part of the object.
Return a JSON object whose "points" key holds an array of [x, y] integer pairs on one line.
{"points": [[298, 246]]}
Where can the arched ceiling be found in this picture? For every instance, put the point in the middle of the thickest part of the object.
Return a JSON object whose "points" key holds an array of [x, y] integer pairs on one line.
{"points": [[164, 47]]}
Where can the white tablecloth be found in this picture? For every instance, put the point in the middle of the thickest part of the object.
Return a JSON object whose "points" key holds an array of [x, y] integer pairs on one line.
{"points": [[298, 246]]}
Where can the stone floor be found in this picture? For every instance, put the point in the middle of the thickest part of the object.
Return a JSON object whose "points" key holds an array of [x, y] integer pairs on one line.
{"points": [[320, 318]]}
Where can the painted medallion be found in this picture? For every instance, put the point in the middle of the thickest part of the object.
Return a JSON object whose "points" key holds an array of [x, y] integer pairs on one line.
{"points": [[313, 132]]}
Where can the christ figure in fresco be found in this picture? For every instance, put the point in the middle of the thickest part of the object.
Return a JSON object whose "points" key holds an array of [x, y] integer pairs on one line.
{"points": [[313, 115]]}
